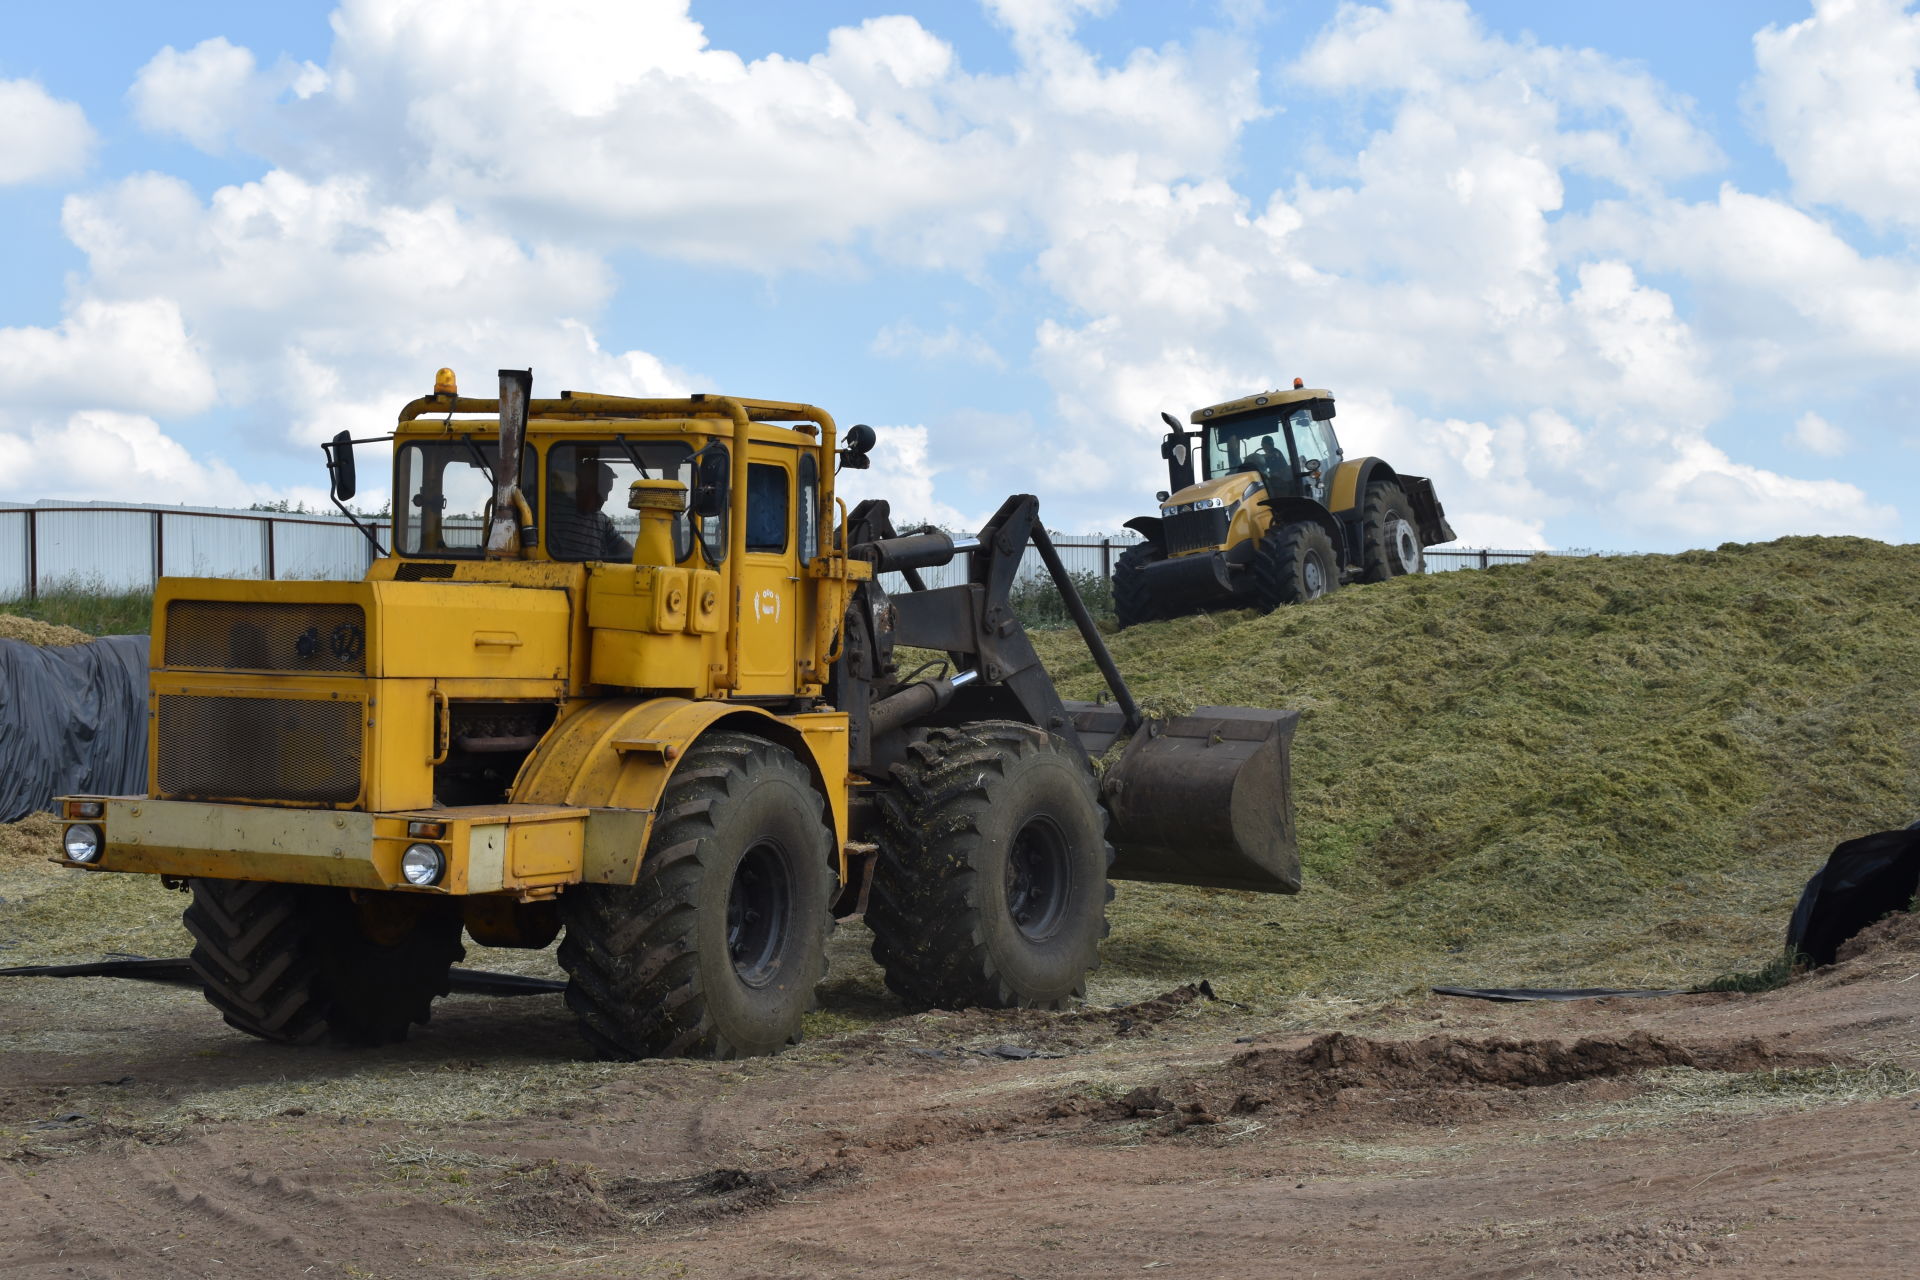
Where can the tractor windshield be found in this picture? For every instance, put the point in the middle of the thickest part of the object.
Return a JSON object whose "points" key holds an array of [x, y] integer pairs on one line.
{"points": [[1248, 444], [442, 495]]}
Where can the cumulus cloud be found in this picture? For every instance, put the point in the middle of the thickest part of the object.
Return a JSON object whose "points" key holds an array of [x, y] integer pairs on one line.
{"points": [[903, 473], [1836, 97], [45, 138], [1816, 435], [905, 339], [98, 454], [132, 354]]}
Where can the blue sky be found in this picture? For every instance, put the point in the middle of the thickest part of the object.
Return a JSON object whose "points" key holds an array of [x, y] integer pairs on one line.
{"points": [[1615, 276]]}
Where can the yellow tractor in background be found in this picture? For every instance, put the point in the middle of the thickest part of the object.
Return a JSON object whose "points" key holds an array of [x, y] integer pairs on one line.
{"points": [[675, 734], [1278, 515]]}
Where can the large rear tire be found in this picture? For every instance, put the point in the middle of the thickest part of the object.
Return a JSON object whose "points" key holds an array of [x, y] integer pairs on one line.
{"points": [[1293, 564], [991, 885], [1391, 535], [1133, 600], [298, 963], [714, 951]]}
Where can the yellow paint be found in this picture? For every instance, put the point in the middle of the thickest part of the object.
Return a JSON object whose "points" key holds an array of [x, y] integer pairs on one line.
{"points": [[1263, 402], [1344, 492]]}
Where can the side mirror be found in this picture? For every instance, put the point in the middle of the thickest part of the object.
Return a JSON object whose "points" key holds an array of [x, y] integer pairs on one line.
{"points": [[1313, 466], [340, 466], [710, 483], [859, 442], [1161, 496]]}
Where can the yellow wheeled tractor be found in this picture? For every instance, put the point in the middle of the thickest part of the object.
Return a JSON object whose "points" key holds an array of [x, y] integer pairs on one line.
{"points": [[675, 733], [1277, 516]]}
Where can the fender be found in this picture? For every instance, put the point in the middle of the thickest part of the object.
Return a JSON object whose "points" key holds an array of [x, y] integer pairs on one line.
{"points": [[1350, 481], [1147, 527], [1289, 509], [620, 753]]}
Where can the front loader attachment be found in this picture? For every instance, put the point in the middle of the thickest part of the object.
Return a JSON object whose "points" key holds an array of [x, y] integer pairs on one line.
{"points": [[1206, 799]]}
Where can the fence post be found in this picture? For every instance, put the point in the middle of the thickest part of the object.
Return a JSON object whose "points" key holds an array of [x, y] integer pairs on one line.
{"points": [[267, 527], [1106, 557], [159, 548], [1483, 557], [33, 555]]}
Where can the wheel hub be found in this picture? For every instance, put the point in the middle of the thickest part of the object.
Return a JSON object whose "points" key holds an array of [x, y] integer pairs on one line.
{"points": [[759, 913], [1313, 576], [1039, 878], [1403, 547]]}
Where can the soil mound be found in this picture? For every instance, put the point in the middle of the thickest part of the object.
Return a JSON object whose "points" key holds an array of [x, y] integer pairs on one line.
{"points": [[34, 631], [1436, 1079], [1895, 934]]}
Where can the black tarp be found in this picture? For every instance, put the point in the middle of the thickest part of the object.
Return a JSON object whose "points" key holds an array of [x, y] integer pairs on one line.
{"points": [[1863, 880], [73, 718]]}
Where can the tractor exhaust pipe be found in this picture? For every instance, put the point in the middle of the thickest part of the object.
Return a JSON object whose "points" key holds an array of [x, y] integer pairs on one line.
{"points": [[504, 528]]}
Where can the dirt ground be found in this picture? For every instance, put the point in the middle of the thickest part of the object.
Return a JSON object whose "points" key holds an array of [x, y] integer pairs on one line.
{"points": [[1751, 1135]]}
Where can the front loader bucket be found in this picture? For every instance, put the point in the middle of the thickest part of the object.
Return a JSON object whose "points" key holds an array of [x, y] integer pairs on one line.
{"points": [[1206, 799]]}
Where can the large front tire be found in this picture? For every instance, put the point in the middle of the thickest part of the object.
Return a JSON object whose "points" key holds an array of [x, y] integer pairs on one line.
{"points": [[1133, 600], [714, 951], [1293, 564], [296, 963], [991, 886], [1391, 535]]}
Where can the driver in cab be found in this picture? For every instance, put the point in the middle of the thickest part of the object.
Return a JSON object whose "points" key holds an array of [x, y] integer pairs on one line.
{"points": [[577, 526]]}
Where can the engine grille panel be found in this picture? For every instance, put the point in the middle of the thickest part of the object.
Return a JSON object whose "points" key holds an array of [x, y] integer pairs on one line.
{"points": [[266, 635], [1194, 530], [214, 747]]}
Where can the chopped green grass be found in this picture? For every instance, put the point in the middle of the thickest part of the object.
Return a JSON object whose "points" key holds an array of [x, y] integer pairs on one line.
{"points": [[1608, 771]]}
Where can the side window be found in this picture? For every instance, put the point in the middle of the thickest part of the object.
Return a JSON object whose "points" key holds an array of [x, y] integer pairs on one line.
{"points": [[809, 512], [444, 490], [768, 508], [1314, 440]]}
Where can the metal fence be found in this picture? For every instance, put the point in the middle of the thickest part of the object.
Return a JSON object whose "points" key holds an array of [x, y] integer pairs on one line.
{"points": [[110, 547], [127, 547]]}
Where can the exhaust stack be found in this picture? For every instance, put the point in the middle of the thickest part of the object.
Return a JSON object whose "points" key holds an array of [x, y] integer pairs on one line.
{"points": [[504, 528]]}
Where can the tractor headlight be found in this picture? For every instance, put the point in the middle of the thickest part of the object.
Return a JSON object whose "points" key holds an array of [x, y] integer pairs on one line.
{"points": [[83, 842], [422, 864]]}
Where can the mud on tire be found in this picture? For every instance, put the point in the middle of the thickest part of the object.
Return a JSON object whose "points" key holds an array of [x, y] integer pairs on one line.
{"points": [[1293, 564], [991, 886], [1133, 600], [714, 951], [1391, 539], [298, 963]]}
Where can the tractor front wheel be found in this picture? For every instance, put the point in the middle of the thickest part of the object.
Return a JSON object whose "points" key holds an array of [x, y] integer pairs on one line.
{"points": [[297, 963], [1293, 564], [1133, 600], [715, 949], [991, 887]]}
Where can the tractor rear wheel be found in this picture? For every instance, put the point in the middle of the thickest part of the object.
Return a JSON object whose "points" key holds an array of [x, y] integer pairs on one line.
{"points": [[296, 963], [715, 949], [1133, 600], [1392, 538], [1293, 564], [991, 886]]}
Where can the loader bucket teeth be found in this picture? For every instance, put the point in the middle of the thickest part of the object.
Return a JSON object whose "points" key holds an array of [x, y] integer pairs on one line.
{"points": [[1204, 799]]}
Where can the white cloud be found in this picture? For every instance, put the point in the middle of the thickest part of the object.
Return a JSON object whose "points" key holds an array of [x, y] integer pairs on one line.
{"points": [[214, 90], [906, 339], [1837, 99], [1816, 435], [44, 138], [903, 473], [132, 354], [100, 454]]}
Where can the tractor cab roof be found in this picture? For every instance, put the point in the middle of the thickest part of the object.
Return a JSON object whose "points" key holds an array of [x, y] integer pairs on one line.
{"points": [[1266, 401]]}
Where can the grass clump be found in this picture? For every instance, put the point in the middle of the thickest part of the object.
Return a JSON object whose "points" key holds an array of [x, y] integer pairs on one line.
{"points": [[1569, 772], [77, 608], [1771, 976]]}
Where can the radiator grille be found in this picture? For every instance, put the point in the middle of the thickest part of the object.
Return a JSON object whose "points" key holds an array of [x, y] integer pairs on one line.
{"points": [[266, 635], [1194, 530], [223, 748]]}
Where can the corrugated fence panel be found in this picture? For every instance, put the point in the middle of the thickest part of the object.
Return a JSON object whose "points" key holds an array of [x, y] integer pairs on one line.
{"points": [[13, 554], [332, 551], [212, 547], [111, 550]]}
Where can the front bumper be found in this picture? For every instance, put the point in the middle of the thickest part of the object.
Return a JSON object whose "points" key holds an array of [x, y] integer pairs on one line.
{"points": [[529, 849], [1204, 575]]}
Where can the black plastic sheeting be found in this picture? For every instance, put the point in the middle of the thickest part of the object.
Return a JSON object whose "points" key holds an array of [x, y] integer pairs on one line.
{"points": [[73, 718], [1552, 993], [1863, 880], [473, 982]]}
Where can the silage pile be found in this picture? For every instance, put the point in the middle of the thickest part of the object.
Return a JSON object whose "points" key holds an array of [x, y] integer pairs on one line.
{"points": [[1573, 771], [34, 631]]}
